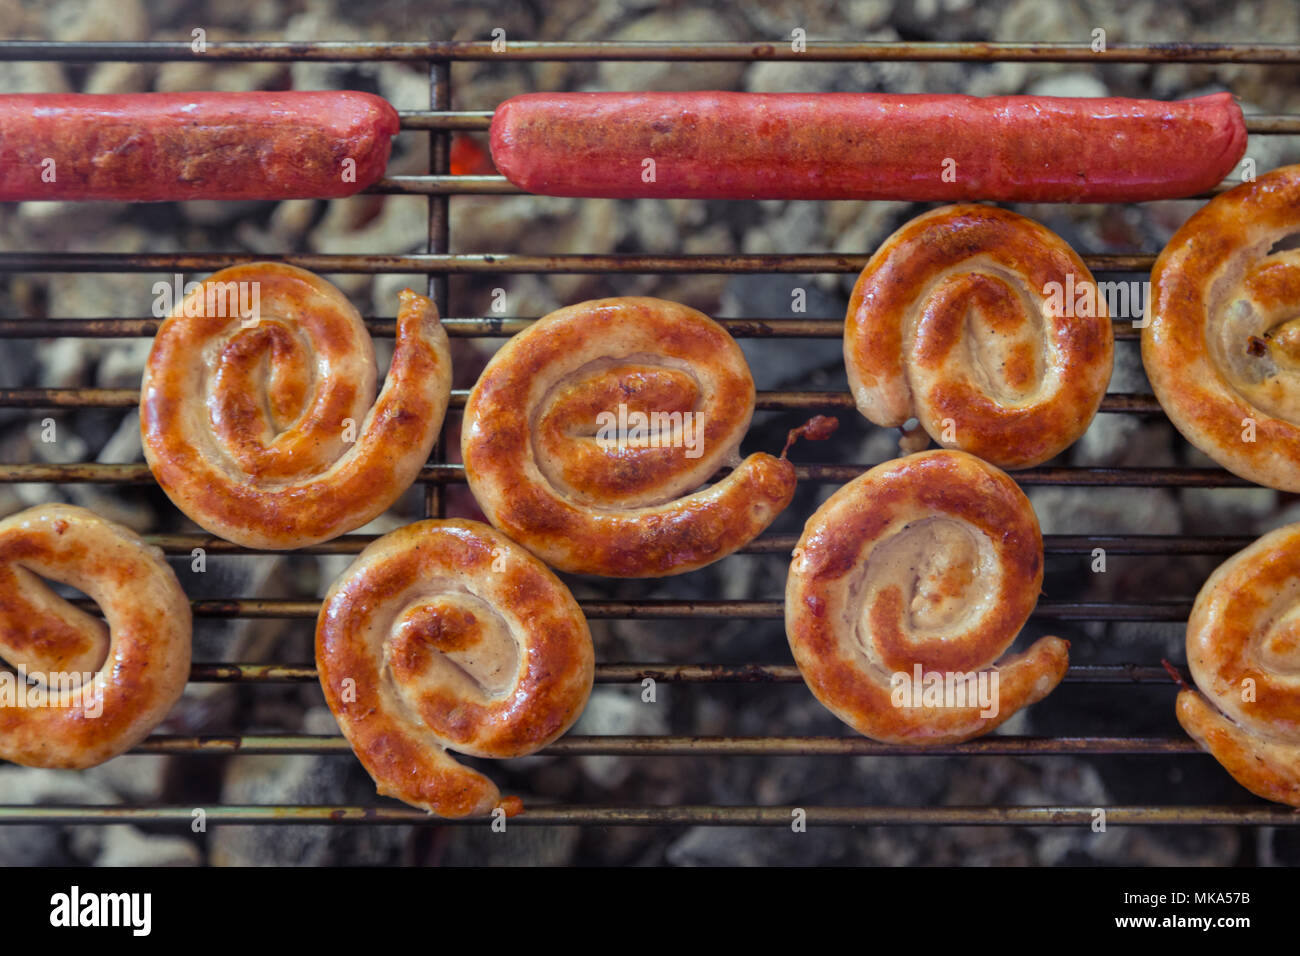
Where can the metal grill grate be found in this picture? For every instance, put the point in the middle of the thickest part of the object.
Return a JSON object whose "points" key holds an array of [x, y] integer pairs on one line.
{"points": [[438, 186]]}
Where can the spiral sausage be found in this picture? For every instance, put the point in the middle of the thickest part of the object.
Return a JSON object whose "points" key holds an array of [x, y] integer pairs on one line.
{"points": [[1222, 348], [263, 432], [139, 659], [552, 465], [987, 328], [924, 567], [1243, 647], [447, 635]]}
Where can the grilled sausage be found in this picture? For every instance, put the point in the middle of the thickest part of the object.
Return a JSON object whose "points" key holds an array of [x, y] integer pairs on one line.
{"points": [[1241, 647], [85, 690], [920, 147], [446, 635], [266, 430], [953, 322], [1222, 348], [914, 577], [588, 432], [150, 147]]}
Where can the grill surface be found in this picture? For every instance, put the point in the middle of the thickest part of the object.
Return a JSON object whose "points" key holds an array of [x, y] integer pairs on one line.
{"points": [[439, 120]]}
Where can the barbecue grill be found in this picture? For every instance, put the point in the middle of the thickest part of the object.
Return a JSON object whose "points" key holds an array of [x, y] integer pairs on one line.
{"points": [[438, 186]]}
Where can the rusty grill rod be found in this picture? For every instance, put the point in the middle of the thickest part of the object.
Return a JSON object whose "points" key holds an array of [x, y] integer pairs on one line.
{"points": [[466, 264], [138, 474], [662, 745], [467, 185], [764, 401], [1135, 544], [652, 51], [457, 327], [660, 610], [686, 815], [221, 672]]}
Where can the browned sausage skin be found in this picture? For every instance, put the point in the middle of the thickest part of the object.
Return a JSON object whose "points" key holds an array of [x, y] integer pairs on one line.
{"points": [[1222, 347], [1243, 652], [953, 322], [924, 567], [718, 145], [149, 147], [137, 659], [267, 431], [542, 473], [446, 635]]}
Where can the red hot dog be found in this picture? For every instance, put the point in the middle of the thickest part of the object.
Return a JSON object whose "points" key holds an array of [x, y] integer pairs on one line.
{"points": [[150, 147], [919, 147]]}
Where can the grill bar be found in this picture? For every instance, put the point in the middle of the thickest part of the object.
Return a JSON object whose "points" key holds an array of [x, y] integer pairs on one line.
{"points": [[1137, 544], [138, 474], [609, 745], [439, 241], [655, 816], [465, 264], [531, 50], [255, 673], [766, 401], [460, 185], [466, 185], [468, 120], [671, 610], [456, 326]]}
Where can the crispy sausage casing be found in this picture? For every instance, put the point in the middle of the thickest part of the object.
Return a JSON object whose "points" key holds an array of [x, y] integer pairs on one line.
{"points": [[1243, 647], [267, 431], [987, 328], [448, 635], [712, 145], [1222, 348], [927, 565], [139, 655], [555, 459], [148, 147]]}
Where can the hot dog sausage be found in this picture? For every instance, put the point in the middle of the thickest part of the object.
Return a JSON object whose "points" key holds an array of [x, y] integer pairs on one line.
{"points": [[169, 146], [919, 147]]}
